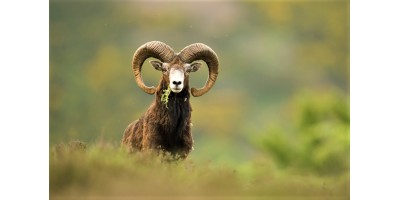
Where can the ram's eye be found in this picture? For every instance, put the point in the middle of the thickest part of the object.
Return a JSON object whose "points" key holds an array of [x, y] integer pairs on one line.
{"points": [[193, 67]]}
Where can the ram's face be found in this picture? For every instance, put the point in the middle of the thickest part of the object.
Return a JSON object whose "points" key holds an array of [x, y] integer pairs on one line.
{"points": [[176, 74], [176, 79]]}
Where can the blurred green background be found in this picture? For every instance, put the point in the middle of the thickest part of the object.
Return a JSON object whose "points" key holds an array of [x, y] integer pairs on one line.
{"points": [[282, 93]]}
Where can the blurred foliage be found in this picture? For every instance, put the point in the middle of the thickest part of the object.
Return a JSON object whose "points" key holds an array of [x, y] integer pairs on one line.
{"points": [[102, 169], [282, 94], [314, 135]]}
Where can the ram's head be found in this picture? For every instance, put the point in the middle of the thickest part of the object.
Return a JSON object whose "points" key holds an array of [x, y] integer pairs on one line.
{"points": [[176, 66]]}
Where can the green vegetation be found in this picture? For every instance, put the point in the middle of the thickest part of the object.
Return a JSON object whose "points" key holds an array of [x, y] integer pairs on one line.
{"points": [[79, 171], [315, 136]]}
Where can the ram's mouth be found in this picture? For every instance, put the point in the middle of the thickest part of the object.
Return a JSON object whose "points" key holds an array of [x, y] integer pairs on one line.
{"points": [[176, 90]]}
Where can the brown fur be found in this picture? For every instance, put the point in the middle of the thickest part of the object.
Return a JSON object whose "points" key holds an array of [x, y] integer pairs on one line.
{"points": [[166, 130]]}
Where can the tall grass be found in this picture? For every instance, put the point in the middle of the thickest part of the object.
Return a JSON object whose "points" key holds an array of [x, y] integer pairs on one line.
{"points": [[105, 171]]}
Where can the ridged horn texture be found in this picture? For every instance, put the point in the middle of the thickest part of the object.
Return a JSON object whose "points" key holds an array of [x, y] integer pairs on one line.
{"points": [[199, 51], [155, 49]]}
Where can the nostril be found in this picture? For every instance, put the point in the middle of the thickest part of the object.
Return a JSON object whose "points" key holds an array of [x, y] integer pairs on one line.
{"points": [[176, 82]]}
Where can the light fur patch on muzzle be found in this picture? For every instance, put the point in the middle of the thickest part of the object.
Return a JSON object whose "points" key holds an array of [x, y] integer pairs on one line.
{"points": [[176, 80]]}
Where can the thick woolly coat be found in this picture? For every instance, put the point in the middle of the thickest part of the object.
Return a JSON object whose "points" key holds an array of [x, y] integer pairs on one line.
{"points": [[163, 128]]}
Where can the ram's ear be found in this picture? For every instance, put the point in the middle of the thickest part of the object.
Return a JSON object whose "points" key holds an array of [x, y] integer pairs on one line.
{"points": [[193, 67], [158, 65]]}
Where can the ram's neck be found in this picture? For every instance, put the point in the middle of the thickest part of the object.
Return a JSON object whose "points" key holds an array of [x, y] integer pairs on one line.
{"points": [[175, 114]]}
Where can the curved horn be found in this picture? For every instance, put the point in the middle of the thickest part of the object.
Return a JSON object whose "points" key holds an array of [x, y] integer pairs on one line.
{"points": [[203, 52], [153, 49]]}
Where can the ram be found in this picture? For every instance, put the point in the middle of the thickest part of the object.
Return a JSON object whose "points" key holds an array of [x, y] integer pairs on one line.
{"points": [[166, 125]]}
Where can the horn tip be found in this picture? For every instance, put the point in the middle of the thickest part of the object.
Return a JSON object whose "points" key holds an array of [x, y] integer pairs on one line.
{"points": [[150, 90], [195, 92]]}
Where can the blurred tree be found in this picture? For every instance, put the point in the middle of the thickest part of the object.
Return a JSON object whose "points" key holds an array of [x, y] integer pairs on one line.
{"points": [[315, 136]]}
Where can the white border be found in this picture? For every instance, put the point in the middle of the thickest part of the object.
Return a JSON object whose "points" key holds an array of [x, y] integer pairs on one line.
{"points": [[24, 86], [375, 100]]}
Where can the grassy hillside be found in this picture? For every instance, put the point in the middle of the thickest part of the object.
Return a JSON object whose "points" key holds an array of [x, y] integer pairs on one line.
{"points": [[103, 170]]}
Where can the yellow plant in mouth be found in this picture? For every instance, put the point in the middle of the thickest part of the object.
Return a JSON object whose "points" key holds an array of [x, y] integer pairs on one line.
{"points": [[164, 96]]}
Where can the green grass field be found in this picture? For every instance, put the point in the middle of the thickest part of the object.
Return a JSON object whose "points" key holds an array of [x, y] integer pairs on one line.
{"points": [[105, 171]]}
